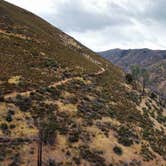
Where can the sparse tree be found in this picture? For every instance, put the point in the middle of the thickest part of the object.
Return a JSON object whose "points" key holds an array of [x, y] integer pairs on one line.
{"points": [[136, 72], [145, 79], [46, 123], [141, 75]]}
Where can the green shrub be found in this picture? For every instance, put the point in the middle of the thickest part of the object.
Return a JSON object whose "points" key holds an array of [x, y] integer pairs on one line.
{"points": [[4, 127], [146, 153], [24, 103], [9, 117], [134, 96], [91, 156], [117, 150], [49, 132], [153, 95], [129, 78], [12, 126], [126, 136], [50, 63], [51, 162], [74, 136]]}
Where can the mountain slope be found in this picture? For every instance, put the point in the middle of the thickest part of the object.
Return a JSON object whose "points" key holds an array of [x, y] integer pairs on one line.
{"points": [[153, 60], [57, 92]]}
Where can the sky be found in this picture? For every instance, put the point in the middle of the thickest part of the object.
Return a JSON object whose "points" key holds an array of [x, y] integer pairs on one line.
{"points": [[106, 24]]}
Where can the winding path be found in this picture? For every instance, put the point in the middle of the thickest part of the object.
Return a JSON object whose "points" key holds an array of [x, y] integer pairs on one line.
{"points": [[27, 93]]}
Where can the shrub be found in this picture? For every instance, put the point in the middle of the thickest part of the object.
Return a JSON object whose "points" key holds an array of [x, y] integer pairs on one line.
{"points": [[51, 162], [2, 155], [4, 127], [49, 132], [74, 136], [54, 93], [24, 103], [134, 97], [126, 136], [91, 156], [11, 112], [9, 117], [125, 141], [153, 95], [50, 63], [76, 160], [117, 150], [73, 100], [161, 118], [129, 78], [146, 153], [12, 126], [16, 160], [1, 98]]}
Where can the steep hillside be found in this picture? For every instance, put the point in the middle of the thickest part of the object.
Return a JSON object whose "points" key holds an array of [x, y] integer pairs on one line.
{"points": [[58, 95], [153, 60]]}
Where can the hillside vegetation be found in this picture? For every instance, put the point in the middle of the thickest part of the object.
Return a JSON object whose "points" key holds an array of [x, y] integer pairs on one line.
{"points": [[152, 60], [56, 92]]}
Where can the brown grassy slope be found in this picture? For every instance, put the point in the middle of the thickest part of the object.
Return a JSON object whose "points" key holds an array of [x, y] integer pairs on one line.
{"points": [[88, 114], [27, 40]]}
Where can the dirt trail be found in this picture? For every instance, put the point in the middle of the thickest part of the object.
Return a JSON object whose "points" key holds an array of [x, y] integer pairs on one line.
{"points": [[27, 93], [100, 71], [14, 94]]}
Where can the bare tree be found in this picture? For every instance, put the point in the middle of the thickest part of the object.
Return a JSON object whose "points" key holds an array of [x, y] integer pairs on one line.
{"points": [[40, 148]]}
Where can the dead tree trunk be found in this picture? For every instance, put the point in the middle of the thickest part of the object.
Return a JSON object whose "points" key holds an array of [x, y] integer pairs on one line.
{"points": [[40, 149]]}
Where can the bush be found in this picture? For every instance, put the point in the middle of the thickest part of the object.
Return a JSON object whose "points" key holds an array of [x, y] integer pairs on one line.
{"points": [[74, 136], [117, 150], [4, 127], [76, 160], [126, 136], [134, 96], [73, 100], [146, 153], [24, 103], [129, 78], [50, 63], [11, 112], [16, 160], [51, 162], [125, 141], [9, 117], [49, 132], [1, 99], [2, 156], [153, 95], [12, 126], [54, 93], [91, 156]]}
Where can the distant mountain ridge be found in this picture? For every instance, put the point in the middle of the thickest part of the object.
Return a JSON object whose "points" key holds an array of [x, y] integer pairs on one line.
{"points": [[153, 60]]}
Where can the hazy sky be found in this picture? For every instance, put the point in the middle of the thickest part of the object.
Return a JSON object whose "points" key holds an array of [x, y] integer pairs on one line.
{"points": [[106, 24]]}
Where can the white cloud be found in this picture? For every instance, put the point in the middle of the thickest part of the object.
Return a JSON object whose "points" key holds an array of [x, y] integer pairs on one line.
{"points": [[106, 24], [38, 7]]}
